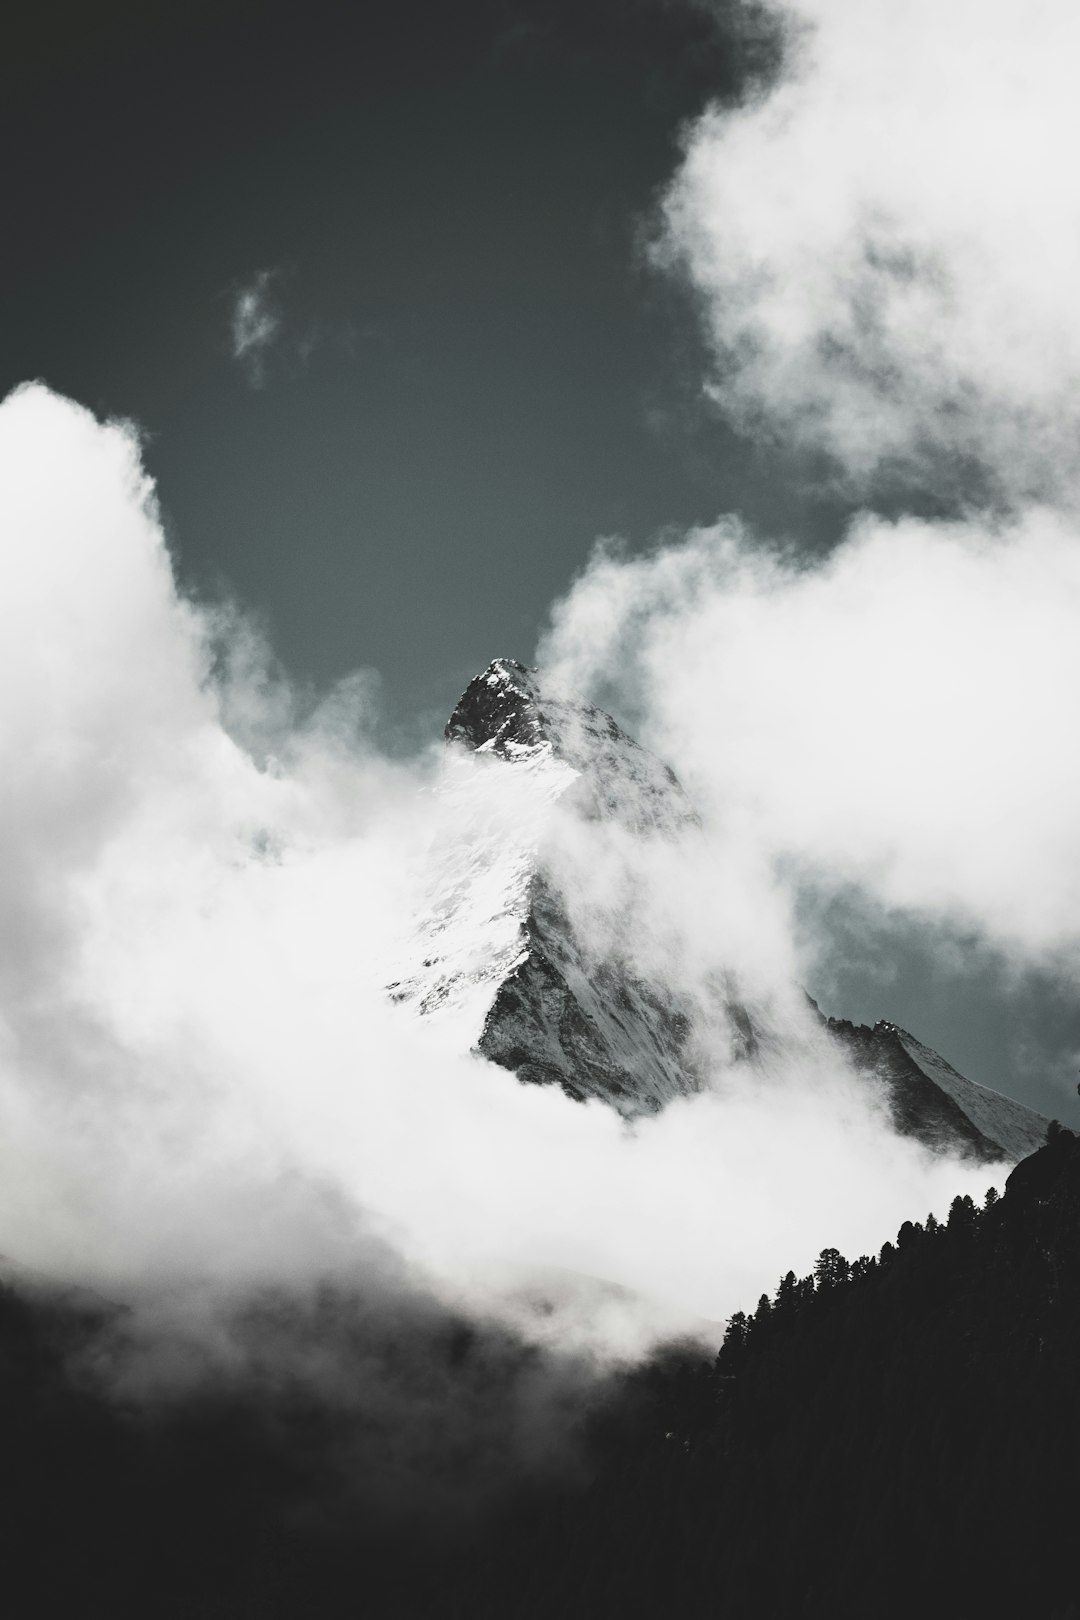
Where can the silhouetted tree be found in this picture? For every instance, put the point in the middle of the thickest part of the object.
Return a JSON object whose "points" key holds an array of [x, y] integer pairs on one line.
{"points": [[831, 1269]]}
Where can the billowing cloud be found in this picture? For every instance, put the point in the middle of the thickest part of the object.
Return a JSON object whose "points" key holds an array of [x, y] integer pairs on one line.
{"points": [[886, 246], [255, 326], [897, 718], [202, 1080]]}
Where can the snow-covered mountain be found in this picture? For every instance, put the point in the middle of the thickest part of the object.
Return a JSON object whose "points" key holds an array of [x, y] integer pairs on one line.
{"points": [[495, 949], [534, 977]]}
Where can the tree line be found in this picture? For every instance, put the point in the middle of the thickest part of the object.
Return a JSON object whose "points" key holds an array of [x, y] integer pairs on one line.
{"points": [[894, 1435]]}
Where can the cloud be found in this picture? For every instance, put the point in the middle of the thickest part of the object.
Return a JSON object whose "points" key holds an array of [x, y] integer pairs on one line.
{"points": [[255, 326], [258, 325], [886, 246], [203, 1084], [896, 719], [882, 244]]}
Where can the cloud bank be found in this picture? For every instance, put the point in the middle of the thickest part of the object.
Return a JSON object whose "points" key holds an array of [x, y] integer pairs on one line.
{"points": [[203, 1084], [886, 246], [897, 718], [883, 247]]}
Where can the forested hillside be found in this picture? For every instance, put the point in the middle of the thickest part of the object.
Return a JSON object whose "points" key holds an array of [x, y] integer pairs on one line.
{"points": [[896, 1435]]}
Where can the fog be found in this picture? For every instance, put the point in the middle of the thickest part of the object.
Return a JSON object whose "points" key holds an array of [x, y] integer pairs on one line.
{"points": [[205, 1089]]}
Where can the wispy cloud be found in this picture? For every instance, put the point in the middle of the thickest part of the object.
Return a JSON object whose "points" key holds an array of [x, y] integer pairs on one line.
{"points": [[259, 325], [255, 325]]}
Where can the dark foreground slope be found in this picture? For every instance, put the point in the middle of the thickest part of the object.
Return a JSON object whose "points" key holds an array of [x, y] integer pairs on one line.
{"points": [[895, 1437], [899, 1436]]}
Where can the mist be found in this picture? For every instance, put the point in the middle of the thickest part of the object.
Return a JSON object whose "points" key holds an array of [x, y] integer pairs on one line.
{"points": [[880, 247], [206, 1089]]}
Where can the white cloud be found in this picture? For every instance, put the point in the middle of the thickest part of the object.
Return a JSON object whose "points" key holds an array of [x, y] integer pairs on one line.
{"points": [[897, 718], [255, 326], [887, 244], [201, 1078]]}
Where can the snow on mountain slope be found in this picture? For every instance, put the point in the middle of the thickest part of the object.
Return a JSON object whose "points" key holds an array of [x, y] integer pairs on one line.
{"points": [[498, 954], [470, 935], [1017, 1129], [526, 976]]}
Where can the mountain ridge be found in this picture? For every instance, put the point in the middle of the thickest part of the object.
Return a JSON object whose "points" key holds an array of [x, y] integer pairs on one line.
{"points": [[547, 1007]]}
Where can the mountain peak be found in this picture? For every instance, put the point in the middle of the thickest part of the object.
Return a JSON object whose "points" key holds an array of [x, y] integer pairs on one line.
{"points": [[519, 714], [497, 947], [500, 711]]}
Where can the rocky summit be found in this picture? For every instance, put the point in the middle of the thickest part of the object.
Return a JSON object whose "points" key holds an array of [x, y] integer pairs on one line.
{"points": [[496, 948], [506, 712]]}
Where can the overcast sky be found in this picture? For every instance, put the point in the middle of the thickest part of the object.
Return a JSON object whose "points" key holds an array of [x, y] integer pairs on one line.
{"points": [[381, 290]]}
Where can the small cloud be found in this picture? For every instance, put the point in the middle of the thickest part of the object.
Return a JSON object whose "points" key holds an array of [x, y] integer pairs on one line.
{"points": [[256, 323]]}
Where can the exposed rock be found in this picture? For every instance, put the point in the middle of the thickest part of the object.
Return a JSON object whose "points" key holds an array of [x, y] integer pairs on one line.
{"points": [[932, 1101]]}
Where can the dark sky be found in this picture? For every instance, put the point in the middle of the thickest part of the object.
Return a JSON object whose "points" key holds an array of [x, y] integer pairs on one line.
{"points": [[476, 373]]}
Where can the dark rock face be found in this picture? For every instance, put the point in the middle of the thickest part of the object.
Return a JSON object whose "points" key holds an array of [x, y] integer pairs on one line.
{"points": [[593, 1029], [933, 1102], [918, 1107], [499, 710]]}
